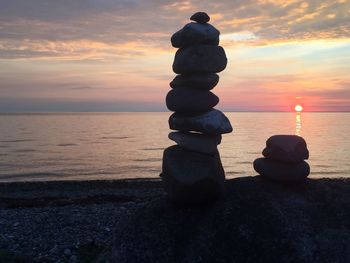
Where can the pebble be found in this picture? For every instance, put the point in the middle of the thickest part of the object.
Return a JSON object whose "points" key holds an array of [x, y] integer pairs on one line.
{"points": [[67, 252], [73, 258]]}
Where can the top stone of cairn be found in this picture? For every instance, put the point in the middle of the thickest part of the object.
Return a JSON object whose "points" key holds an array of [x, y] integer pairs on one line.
{"points": [[196, 33], [200, 17], [286, 148]]}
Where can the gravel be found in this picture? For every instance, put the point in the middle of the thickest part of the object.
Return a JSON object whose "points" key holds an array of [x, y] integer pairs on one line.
{"points": [[43, 226], [132, 221]]}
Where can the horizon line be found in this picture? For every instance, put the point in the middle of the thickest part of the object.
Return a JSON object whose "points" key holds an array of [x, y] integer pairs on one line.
{"points": [[238, 111]]}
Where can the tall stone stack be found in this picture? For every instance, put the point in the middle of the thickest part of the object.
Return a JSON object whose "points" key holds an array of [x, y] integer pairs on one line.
{"points": [[192, 172]]}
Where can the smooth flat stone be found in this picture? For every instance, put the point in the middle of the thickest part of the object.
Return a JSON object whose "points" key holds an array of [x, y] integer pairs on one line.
{"points": [[192, 178], [280, 171], [203, 81], [189, 100], [200, 59], [213, 122], [286, 148], [200, 17], [197, 142], [194, 34]]}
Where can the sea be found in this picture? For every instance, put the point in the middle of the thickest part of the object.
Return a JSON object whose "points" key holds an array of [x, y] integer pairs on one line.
{"points": [[98, 146]]}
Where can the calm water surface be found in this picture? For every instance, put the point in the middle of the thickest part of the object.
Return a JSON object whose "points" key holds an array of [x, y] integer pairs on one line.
{"points": [[130, 145]]}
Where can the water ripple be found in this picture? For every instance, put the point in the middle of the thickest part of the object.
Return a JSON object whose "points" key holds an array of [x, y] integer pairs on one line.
{"points": [[66, 144], [28, 175], [24, 150], [347, 173], [148, 160], [20, 140], [114, 137], [244, 162], [152, 149]]}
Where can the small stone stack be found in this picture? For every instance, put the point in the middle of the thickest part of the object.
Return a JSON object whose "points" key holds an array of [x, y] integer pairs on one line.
{"points": [[284, 159], [192, 172]]}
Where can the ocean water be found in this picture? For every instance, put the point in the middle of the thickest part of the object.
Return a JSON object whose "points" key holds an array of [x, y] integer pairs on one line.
{"points": [[85, 146]]}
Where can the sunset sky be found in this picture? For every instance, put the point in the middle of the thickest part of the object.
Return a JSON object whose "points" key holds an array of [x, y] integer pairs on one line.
{"points": [[115, 55]]}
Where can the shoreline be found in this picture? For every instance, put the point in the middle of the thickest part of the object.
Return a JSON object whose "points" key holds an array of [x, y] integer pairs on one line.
{"points": [[60, 193], [78, 192], [67, 221]]}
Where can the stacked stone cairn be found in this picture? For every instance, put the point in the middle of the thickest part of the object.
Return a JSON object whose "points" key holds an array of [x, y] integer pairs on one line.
{"points": [[192, 172], [284, 159]]}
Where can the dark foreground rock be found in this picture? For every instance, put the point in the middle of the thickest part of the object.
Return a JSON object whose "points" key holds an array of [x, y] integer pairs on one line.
{"points": [[257, 221], [197, 142], [192, 178], [190, 100], [200, 59], [203, 81], [213, 122], [286, 148], [195, 34], [279, 171]]}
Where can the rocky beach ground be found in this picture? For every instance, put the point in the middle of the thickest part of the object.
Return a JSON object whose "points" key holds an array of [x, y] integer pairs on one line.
{"points": [[132, 221]]}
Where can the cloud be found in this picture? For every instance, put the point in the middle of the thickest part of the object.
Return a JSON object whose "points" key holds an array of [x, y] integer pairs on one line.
{"points": [[179, 6], [72, 50], [116, 23]]}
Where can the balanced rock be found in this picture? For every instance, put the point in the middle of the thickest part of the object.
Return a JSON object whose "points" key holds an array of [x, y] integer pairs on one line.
{"points": [[197, 142], [190, 177], [190, 100], [194, 34], [213, 122], [286, 148], [282, 171], [200, 59], [192, 172], [200, 17], [198, 81]]}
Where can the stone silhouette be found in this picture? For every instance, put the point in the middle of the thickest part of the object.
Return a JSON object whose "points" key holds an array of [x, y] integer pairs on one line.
{"points": [[192, 172], [284, 159]]}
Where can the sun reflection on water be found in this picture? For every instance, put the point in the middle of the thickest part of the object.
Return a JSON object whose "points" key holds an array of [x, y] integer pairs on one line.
{"points": [[298, 123]]}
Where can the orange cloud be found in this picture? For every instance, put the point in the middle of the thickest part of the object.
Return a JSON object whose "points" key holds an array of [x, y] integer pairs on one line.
{"points": [[179, 6], [74, 50]]}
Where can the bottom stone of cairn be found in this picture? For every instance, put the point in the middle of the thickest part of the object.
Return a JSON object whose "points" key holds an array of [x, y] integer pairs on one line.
{"points": [[191, 177], [280, 171]]}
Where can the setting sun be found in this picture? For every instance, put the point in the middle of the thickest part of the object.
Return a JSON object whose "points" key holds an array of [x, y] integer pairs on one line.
{"points": [[298, 108]]}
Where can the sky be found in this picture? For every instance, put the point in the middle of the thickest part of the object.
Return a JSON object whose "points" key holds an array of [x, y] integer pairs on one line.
{"points": [[116, 55]]}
